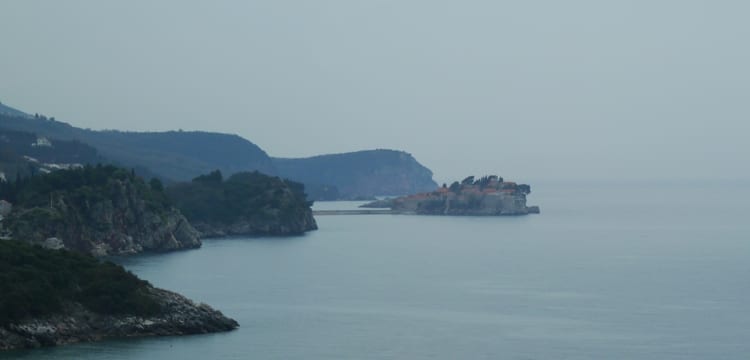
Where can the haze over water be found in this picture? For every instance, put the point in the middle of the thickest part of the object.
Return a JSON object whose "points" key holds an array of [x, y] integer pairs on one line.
{"points": [[605, 272], [546, 89]]}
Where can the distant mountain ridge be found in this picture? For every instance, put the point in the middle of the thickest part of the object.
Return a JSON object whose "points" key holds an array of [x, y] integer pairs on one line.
{"points": [[7, 110], [173, 155], [183, 155], [365, 173]]}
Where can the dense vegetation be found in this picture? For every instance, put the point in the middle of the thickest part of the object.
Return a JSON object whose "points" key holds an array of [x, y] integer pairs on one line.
{"points": [[36, 282], [58, 151], [82, 186], [484, 182], [22, 155], [96, 210], [361, 174], [15, 165], [250, 195]]}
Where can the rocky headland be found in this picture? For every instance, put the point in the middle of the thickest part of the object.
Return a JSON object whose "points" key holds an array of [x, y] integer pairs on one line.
{"points": [[256, 227], [486, 196], [244, 204], [179, 316], [54, 297], [97, 210]]}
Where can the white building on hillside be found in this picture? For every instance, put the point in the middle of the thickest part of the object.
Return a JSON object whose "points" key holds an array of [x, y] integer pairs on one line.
{"points": [[42, 141]]}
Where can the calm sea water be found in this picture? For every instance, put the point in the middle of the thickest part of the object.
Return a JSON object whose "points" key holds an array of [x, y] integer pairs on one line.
{"points": [[605, 272]]}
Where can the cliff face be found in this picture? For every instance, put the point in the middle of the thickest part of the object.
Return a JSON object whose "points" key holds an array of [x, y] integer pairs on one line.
{"points": [[178, 316], [121, 229], [273, 225], [361, 174], [113, 214]]}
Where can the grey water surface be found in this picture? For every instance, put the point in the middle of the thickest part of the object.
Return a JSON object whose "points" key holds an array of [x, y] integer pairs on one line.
{"points": [[628, 271]]}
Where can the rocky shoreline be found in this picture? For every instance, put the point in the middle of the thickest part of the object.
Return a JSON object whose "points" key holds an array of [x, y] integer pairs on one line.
{"points": [[101, 211], [253, 227], [179, 316]]}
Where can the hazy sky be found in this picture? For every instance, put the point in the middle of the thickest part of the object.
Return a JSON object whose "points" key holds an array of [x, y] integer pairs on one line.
{"points": [[531, 90]]}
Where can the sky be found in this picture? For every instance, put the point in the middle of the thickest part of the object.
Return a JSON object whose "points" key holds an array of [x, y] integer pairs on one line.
{"points": [[530, 90]]}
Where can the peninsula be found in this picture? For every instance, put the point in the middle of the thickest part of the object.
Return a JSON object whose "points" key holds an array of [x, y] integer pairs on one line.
{"points": [[486, 196], [55, 297], [247, 203]]}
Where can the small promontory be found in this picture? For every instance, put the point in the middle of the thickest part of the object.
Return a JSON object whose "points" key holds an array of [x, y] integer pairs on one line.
{"points": [[486, 196], [248, 203], [56, 297]]}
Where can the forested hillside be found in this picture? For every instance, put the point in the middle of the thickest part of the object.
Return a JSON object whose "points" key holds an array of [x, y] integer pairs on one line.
{"points": [[244, 204], [362, 173], [173, 155], [176, 156], [35, 282], [56, 297]]}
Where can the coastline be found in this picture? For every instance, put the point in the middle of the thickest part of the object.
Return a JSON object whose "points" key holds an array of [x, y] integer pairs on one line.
{"points": [[179, 316]]}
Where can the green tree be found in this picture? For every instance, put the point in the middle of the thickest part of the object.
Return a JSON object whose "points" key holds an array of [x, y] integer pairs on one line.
{"points": [[36, 282], [156, 185], [213, 177], [455, 187]]}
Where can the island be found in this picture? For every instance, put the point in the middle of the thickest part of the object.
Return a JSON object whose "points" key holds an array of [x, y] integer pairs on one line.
{"points": [[55, 297], [486, 196]]}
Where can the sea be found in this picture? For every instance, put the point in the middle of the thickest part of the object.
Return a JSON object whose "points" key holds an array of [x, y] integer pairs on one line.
{"points": [[606, 271]]}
